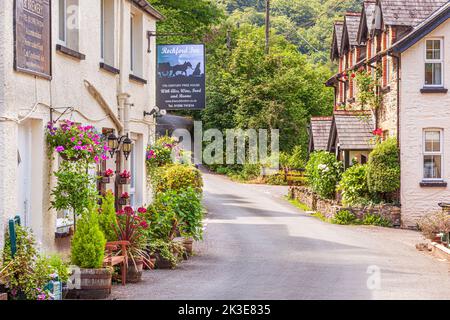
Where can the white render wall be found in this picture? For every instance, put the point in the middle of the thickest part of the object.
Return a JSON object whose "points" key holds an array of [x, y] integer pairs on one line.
{"points": [[19, 92], [418, 112]]}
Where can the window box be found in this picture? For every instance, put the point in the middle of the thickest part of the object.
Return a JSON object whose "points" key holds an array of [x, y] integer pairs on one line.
{"points": [[433, 90], [69, 52], [123, 181], [109, 68], [137, 79], [433, 184]]}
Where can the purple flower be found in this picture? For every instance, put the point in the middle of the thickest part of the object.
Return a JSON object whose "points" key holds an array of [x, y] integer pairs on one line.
{"points": [[104, 157], [96, 159], [78, 148], [59, 149]]}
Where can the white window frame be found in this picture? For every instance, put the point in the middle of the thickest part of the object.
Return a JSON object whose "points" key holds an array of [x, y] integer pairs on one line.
{"points": [[62, 41], [102, 30], [430, 153], [434, 61], [133, 171], [132, 45]]}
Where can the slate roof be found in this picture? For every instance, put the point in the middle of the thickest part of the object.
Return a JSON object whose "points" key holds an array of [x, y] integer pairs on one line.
{"points": [[144, 5], [320, 130], [337, 39], [352, 21], [354, 132], [338, 27], [408, 12], [369, 11]]}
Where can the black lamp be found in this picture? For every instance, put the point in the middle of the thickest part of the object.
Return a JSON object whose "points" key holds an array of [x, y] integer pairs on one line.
{"points": [[114, 144], [127, 145]]}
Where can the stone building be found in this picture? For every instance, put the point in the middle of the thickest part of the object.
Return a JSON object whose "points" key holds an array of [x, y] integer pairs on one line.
{"points": [[87, 61]]}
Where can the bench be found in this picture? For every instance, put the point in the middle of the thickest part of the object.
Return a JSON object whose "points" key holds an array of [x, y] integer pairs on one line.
{"points": [[113, 259], [294, 176]]}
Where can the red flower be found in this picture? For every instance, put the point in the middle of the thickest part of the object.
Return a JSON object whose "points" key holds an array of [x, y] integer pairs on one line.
{"points": [[353, 75], [144, 224], [378, 132], [125, 195], [120, 213], [125, 174]]}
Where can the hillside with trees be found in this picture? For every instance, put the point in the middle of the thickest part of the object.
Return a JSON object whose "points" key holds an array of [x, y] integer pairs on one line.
{"points": [[247, 88]]}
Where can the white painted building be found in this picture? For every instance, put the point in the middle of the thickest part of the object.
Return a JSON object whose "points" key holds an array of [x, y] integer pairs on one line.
{"points": [[104, 69], [424, 115]]}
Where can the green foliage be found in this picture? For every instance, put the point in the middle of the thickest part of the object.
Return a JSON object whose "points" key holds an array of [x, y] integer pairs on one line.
{"points": [[28, 272], [383, 171], [323, 172], [376, 220], [88, 243], [299, 205], [178, 177], [107, 216], [275, 179], [173, 210], [297, 160], [354, 185], [194, 18], [75, 188], [167, 250], [344, 217], [368, 88]]}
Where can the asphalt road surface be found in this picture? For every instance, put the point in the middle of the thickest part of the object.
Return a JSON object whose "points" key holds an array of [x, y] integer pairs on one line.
{"points": [[259, 246]]}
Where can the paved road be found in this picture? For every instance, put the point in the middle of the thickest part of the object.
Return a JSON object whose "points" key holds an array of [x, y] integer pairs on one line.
{"points": [[258, 246]]}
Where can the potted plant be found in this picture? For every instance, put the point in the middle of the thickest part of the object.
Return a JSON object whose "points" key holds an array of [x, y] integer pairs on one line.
{"points": [[124, 177], [132, 227], [74, 142], [106, 176], [88, 251], [124, 199]]}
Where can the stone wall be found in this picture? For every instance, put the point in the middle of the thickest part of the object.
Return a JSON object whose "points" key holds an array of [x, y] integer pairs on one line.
{"points": [[329, 208]]}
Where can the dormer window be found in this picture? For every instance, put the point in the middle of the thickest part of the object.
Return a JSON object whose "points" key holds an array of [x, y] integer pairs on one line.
{"points": [[434, 63]]}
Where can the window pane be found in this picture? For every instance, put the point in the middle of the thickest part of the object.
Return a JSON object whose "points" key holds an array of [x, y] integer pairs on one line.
{"points": [[432, 167], [433, 49], [432, 141], [62, 20], [433, 73]]}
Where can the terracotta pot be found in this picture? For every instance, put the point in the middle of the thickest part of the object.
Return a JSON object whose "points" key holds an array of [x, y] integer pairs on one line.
{"points": [[95, 284], [123, 181], [188, 245], [134, 272], [162, 263]]}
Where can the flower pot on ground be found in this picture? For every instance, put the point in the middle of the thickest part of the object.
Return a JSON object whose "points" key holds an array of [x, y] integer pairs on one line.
{"points": [[188, 244], [132, 227], [134, 271], [88, 252]]}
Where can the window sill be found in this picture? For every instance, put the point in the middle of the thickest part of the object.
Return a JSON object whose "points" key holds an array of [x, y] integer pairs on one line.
{"points": [[109, 68], [433, 90], [137, 79], [70, 52], [433, 184]]}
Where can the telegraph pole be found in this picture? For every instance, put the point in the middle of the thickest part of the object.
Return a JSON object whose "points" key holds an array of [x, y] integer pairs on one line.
{"points": [[267, 26]]}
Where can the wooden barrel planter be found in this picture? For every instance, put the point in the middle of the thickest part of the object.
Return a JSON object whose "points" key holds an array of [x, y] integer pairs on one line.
{"points": [[123, 181], [95, 284], [134, 272]]}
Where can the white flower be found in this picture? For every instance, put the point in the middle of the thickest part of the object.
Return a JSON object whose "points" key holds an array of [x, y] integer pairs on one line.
{"points": [[323, 167]]}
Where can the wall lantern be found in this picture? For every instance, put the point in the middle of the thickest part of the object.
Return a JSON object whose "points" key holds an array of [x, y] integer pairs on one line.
{"points": [[114, 144]]}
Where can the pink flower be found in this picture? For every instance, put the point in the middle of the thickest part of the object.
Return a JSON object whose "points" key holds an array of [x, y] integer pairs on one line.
{"points": [[144, 224], [59, 149], [104, 157], [142, 210], [72, 139], [96, 159], [125, 195], [106, 148], [120, 213], [129, 211]]}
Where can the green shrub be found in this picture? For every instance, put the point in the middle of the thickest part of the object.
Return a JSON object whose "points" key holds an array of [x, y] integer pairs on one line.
{"points": [[376, 220], [323, 172], [275, 179], [107, 216], [167, 250], [344, 217], [297, 158], [383, 170], [25, 275], [178, 177], [354, 185], [88, 243]]}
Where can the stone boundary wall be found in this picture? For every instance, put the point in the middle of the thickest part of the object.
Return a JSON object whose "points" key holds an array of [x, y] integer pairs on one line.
{"points": [[329, 208]]}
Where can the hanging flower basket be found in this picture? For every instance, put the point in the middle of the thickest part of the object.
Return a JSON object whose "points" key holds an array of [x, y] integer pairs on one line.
{"points": [[75, 142], [124, 178], [123, 201], [106, 176], [105, 180]]}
